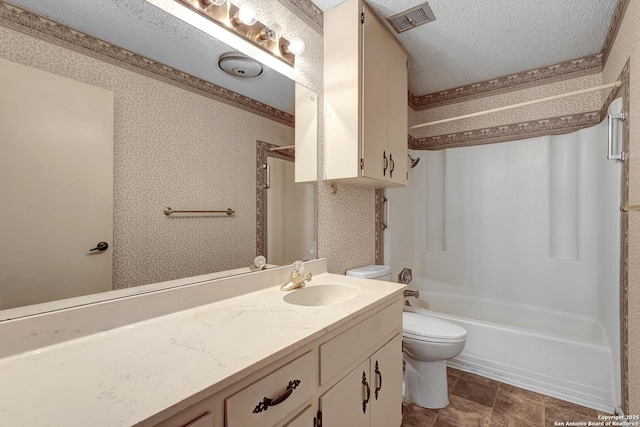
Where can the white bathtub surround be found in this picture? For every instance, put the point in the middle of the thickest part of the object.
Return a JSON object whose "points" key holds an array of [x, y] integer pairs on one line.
{"points": [[523, 238], [133, 371]]}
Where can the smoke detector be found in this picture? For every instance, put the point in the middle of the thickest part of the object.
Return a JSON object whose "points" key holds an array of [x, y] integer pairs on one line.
{"points": [[239, 65], [411, 18]]}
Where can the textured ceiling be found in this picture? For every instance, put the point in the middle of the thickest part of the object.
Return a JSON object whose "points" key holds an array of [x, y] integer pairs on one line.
{"points": [[477, 40], [470, 40], [142, 28]]}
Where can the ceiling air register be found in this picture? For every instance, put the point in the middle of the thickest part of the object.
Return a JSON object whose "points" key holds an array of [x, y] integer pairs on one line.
{"points": [[411, 18]]}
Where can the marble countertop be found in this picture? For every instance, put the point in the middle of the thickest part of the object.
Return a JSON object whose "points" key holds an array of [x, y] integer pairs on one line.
{"points": [[125, 375]]}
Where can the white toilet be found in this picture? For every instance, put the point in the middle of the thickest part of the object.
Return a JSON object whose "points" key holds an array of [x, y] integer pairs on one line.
{"points": [[428, 342]]}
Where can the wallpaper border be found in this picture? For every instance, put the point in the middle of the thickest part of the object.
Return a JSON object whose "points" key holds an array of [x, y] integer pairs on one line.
{"points": [[510, 132], [625, 92], [30, 23], [263, 151], [612, 32], [380, 195], [525, 79]]}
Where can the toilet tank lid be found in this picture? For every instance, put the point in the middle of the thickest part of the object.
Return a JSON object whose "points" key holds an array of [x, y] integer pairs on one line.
{"points": [[370, 271], [429, 327]]}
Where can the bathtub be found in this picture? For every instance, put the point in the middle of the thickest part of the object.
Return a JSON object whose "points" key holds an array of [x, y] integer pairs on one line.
{"points": [[546, 351]]}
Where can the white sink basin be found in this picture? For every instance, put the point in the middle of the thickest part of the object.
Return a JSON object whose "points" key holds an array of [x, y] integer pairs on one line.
{"points": [[323, 294]]}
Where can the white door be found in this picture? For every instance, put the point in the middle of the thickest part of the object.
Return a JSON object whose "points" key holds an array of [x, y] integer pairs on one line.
{"points": [[56, 186], [342, 405]]}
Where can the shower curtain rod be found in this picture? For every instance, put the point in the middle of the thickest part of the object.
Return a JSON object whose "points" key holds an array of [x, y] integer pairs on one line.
{"points": [[522, 104]]}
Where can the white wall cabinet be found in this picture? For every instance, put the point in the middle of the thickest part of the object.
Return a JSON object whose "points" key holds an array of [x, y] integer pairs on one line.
{"points": [[365, 89], [330, 389]]}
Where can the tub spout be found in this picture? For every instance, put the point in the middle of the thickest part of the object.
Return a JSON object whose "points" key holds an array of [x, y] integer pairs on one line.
{"points": [[409, 293]]}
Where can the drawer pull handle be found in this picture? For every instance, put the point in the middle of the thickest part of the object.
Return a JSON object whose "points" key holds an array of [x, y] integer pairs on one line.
{"points": [[366, 384], [266, 402], [379, 374]]}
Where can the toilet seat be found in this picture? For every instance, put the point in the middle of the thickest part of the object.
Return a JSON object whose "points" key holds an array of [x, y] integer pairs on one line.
{"points": [[427, 328]]}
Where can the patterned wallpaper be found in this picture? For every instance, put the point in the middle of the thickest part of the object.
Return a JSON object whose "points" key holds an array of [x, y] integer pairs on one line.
{"points": [[171, 148], [562, 107], [626, 47]]}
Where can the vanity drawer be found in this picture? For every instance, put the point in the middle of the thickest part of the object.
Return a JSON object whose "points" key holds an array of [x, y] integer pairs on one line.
{"points": [[294, 383], [358, 342]]}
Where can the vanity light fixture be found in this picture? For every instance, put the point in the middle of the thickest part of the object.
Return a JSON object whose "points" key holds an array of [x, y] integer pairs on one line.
{"points": [[244, 22], [245, 15], [213, 2], [295, 46]]}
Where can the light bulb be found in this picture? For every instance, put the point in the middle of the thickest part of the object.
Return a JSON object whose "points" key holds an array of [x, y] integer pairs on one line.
{"points": [[247, 15], [295, 46], [213, 2]]}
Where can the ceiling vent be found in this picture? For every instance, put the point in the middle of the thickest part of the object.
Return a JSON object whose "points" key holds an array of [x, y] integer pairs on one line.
{"points": [[411, 18]]}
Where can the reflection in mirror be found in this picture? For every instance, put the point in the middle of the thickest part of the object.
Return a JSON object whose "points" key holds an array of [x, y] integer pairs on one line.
{"points": [[288, 220], [182, 137]]}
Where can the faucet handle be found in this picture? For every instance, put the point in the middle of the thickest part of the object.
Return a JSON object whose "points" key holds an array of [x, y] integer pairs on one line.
{"points": [[298, 267]]}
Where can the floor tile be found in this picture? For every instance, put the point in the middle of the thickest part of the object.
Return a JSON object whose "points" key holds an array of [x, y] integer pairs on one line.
{"points": [[521, 408], [501, 419], [415, 416], [444, 422], [478, 379], [475, 391], [453, 371], [559, 410], [464, 412], [451, 381], [522, 392]]}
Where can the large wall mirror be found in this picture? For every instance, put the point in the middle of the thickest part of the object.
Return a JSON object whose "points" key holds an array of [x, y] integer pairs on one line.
{"points": [[184, 136]]}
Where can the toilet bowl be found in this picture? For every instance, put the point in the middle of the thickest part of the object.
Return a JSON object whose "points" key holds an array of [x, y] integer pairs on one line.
{"points": [[428, 342]]}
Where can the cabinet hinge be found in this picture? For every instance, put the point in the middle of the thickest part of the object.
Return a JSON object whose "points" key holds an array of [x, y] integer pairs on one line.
{"points": [[362, 18], [361, 163]]}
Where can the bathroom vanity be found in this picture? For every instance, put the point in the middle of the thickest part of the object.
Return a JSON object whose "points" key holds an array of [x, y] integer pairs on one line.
{"points": [[244, 354]]}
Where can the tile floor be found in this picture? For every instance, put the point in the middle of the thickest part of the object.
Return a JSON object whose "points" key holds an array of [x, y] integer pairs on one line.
{"points": [[483, 402]]}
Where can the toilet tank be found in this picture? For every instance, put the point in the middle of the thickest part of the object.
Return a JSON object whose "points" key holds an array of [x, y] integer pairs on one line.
{"points": [[377, 272]]}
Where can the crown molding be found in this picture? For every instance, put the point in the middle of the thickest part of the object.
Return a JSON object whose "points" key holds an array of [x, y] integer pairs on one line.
{"points": [[30, 23], [523, 80]]}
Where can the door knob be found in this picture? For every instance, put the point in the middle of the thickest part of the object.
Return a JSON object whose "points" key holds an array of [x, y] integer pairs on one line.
{"points": [[102, 246]]}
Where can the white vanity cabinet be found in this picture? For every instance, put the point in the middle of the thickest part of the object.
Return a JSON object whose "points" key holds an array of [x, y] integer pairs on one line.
{"points": [[330, 389], [365, 90]]}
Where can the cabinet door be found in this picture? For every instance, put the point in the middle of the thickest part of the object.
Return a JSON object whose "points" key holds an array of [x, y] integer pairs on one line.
{"points": [[304, 419], [397, 123], [386, 385], [375, 107], [342, 405]]}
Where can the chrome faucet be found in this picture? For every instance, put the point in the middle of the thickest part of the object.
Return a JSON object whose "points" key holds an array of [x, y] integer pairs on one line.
{"points": [[298, 279]]}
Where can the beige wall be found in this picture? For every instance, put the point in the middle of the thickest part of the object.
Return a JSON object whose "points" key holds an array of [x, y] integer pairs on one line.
{"points": [[171, 148], [627, 47]]}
